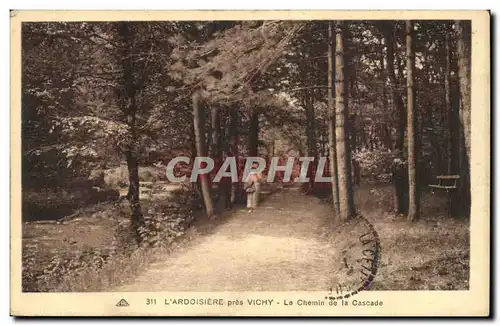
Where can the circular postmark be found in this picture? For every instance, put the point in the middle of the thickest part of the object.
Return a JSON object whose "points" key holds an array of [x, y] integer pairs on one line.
{"points": [[357, 258]]}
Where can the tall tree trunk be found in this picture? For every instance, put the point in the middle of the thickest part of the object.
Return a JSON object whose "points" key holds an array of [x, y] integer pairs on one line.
{"points": [[199, 129], [312, 150], [463, 34], [331, 121], [133, 194], [346, 201], [253, 133], [399, 175], [130, 110], [414, 200], [215, 145], [349, 78], [464, 76], [449, 108], [233, 145]]}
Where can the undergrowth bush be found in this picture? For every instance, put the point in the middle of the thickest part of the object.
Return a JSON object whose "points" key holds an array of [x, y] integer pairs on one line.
{"points": [[167, 220], [375, 165]]}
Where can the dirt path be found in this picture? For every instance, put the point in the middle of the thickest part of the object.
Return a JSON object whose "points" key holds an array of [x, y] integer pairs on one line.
{"points": [[281, 246]]}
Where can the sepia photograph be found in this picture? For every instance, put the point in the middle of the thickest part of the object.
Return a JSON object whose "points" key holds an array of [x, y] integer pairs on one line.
{"points": [[207, 163]]}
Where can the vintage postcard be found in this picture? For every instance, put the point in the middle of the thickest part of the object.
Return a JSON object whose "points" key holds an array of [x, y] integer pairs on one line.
{"points": [[250, 163]]}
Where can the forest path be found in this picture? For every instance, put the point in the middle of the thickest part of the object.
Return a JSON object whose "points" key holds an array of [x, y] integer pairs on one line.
{"points": [[281, 246]]}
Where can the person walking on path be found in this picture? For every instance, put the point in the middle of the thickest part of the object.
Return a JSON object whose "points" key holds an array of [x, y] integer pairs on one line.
{"points": [[252, 188]]}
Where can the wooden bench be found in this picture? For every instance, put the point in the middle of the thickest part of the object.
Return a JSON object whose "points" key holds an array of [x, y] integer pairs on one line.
{"points": [[447, 183]]}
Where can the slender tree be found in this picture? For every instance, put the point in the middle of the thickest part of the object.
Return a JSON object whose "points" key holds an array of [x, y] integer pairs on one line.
{"points": [[414, 200], [346, 201], [199, 129], [312, 150], [464, 76], [399, 176], [129, 107], [215, 147], [462, 34], [331, 120], [233, 143], [449, 108]]}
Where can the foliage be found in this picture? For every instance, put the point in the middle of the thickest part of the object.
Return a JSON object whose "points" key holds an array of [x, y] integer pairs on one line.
{"points": [[72, 96], [227, 66], [375, 165], [72, 84], [165, 221]]}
